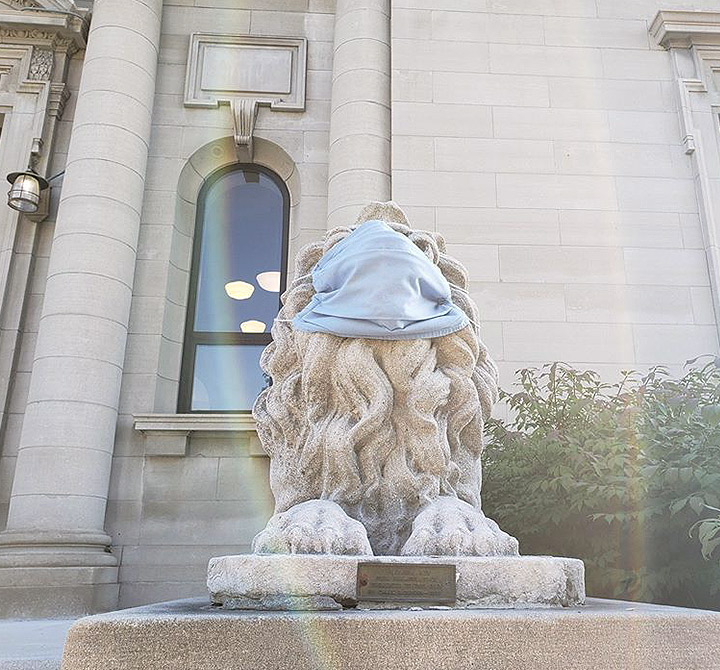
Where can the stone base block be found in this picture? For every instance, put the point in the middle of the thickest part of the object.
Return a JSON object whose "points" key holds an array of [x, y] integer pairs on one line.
{"points": [[56, 593], [191, 634], [313, 581]]}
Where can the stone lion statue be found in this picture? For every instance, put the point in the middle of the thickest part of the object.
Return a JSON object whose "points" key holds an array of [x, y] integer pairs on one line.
{"points": [[375, 444]]}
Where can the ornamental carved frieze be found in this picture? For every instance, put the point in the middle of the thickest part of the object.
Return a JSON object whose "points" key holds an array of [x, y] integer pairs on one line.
{"points": [[27, 34], [52, 39]]}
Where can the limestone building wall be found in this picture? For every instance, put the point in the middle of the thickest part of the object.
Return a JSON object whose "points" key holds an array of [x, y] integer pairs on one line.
{"points": [[545, 139], [542, 139], [168, 514]]}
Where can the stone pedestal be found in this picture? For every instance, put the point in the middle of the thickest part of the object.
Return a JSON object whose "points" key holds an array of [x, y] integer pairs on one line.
{"points": [[191, 634], [326, 582]]}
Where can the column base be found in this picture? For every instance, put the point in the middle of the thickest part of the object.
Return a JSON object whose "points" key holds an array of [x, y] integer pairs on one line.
{"points": [[57, 592], [42, 549], [56, 575]]}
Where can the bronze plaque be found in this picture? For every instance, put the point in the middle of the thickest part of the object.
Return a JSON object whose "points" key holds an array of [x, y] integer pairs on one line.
{"points": [[422, 583]]}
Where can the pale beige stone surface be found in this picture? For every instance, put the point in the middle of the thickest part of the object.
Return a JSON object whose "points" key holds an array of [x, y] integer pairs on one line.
{"points": [[56, 592], [375, 444], [285, 582], [359, 153], [185, 635], [565, 113]]}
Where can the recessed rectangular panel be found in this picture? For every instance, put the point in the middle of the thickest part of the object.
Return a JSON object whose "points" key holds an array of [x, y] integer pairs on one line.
{"points": [[246, 69], [269, 70], [421, 583]]}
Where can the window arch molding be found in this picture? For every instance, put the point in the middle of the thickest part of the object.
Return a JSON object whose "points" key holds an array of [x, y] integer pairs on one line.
{"points": [[207, 161]]}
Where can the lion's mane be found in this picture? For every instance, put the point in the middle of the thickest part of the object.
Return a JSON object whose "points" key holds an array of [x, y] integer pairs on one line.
{"points": [[380, 427]]}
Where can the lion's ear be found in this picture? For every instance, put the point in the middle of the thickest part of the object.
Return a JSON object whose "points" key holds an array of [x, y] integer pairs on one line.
{"points": [[389, 211]]}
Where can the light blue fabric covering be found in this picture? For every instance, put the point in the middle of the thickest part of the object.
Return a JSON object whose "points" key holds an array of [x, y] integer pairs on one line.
{"points": [[377, 284]]}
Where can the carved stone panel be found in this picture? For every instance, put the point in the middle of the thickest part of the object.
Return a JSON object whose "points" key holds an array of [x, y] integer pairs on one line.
{"points": [[269, 70], [41, 65]]}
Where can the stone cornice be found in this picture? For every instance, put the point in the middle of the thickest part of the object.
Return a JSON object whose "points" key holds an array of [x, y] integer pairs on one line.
{"points": [[59, 31], [683, 29]]}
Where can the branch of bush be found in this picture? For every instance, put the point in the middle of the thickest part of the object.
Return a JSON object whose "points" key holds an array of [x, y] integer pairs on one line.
{"points": [[616, 474]]}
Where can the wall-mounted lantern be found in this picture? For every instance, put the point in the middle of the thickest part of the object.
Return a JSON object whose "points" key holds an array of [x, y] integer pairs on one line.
{"points": [[26, 190]]}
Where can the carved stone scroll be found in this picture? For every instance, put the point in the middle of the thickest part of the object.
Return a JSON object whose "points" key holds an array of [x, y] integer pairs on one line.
{"points": [[244, 111]]}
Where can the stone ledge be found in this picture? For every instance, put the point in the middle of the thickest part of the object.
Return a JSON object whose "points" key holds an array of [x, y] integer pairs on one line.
{"points": [[191, 634], [170, 433], [322, 581]]}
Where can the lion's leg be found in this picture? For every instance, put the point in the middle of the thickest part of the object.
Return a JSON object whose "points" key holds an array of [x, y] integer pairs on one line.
{"points": [[451, 527], [313, 527]]}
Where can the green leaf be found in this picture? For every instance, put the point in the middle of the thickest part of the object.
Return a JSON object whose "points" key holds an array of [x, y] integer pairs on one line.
{"points": [[678, 505], [697, 504]]}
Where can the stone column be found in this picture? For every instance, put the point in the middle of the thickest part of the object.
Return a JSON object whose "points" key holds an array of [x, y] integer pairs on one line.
{"points": [[359, 163], [60, 490]]}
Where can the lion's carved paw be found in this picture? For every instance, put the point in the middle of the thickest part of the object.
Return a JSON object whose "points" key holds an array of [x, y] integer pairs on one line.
{"points": [[452, 527], [313, 527]]}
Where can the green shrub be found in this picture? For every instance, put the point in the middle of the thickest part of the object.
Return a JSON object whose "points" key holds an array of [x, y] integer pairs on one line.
{"points": [[615, 474]]}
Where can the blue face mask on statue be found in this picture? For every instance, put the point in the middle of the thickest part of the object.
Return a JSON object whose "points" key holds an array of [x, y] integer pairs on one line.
{"points": [[377, 284]]}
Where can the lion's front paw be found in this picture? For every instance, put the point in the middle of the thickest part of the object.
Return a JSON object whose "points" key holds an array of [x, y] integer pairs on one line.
{"points": [[313, 527], [451, 527]]}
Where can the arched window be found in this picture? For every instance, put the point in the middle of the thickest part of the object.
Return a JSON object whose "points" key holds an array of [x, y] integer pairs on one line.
{"points": [[238, 274]]}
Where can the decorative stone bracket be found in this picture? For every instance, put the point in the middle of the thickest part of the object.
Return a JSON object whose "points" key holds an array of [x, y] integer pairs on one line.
{"points": [[246, 72], [244, 111]]}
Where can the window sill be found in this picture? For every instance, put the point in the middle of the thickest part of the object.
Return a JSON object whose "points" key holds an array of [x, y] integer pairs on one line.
{"points": [[171, 433]]}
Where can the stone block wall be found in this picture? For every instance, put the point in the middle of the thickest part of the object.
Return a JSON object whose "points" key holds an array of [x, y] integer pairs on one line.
{"points": [[542, 139], [544, 145], [169, 515]]}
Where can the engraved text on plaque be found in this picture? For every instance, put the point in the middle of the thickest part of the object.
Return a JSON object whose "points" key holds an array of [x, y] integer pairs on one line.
{"points": [[422, 583]]}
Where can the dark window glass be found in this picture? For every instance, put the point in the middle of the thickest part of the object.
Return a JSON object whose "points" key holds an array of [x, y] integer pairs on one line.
{"points": [[238, 274]]}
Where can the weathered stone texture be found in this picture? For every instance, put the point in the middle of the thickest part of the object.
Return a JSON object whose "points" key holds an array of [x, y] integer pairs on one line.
{"points": [[289, 582], [185, 635], [387, 433]]}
